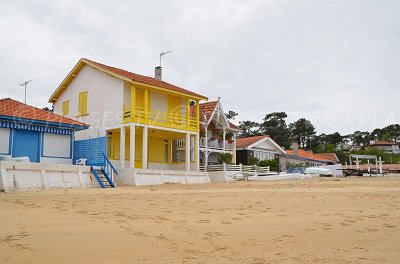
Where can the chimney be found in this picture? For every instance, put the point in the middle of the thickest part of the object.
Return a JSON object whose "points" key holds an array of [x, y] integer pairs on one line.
{"points": [[295, 147], [158, 73]]}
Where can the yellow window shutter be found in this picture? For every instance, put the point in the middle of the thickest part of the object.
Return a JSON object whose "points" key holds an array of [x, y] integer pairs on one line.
{"points": [[65, 108], [82, 105], [85, 103]]}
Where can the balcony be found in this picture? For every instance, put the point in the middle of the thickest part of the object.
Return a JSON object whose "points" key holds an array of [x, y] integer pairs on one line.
{"points": [[216, 144], [159, 118]]}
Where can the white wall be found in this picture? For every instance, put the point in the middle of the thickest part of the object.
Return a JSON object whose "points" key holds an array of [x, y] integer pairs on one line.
{"points": [[105, 101], [23, 176], [4, 140]]}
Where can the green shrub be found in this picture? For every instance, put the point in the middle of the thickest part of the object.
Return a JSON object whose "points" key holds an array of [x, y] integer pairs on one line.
{"points": [[225, 158], [272, 164]]}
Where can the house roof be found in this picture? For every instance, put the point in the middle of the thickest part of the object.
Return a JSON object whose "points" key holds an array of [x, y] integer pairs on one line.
{"points": [[308, 155], [383, 143], [330, 156], [122, 74], [14, 109], [245, 142], [206, 111]]}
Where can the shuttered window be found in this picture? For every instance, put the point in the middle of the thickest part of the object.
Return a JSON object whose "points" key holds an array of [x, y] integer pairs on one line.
{"points": [[82, 106], [65, 108]]}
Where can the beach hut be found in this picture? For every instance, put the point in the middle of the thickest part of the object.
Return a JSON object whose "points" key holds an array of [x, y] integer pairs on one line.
{"points": [[31, 134]]}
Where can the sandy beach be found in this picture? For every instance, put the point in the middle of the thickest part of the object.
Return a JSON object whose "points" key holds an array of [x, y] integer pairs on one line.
{"points": [[323, 220]]}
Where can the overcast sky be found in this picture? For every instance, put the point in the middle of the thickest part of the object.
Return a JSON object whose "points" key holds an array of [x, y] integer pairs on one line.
{"points": [[336, 63]]}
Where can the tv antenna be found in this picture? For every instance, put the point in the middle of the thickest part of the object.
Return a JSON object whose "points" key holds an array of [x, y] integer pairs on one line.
{"points": [[163, 53], [24, 84]]}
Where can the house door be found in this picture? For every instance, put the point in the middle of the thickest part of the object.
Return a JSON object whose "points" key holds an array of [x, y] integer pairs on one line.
{"points": [[26, 144]]}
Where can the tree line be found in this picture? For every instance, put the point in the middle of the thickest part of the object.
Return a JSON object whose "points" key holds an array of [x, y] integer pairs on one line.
{"points": [[303, 132]]}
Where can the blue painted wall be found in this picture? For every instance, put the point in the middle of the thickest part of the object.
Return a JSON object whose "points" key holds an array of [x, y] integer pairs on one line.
{"points": [[26, 143], [91, 149]]}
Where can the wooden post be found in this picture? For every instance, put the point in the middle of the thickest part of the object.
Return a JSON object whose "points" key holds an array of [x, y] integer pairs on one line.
{"points": [[198, 115], [187, 113], [144, 147], [146, 105], [187, 152], [133, 103], [122, 148]]}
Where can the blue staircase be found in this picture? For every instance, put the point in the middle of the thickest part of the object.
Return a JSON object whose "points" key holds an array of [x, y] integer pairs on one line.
{"points": [[104, 173]]}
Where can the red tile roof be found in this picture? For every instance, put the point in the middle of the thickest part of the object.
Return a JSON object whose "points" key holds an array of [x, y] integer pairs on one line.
{"points": [[12, 108], [308, 155], [329, 156], [122, 74], [207, 109], [142, 79], [245, 142]]}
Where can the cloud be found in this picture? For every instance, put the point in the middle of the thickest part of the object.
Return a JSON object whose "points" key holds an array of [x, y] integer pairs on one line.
{"points": [[320, 60]]}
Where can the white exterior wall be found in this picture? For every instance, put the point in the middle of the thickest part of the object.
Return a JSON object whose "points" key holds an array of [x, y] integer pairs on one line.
{"points": [[105, 101], [23, 176]]}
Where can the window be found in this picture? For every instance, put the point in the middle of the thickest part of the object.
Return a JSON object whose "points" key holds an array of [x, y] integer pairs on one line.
{"points": [[5, 140], [65, 108], [82, 106], [56, 145], [178, 150]]}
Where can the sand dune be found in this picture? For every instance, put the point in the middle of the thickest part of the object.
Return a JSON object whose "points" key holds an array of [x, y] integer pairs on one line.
{"points": [[345, 220]]}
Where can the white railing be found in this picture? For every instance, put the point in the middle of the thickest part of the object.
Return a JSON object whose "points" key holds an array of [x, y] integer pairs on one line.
{"points": [[215, 144], [237, 168]]}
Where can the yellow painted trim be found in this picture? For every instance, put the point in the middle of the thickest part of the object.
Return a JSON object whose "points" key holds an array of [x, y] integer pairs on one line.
{"points": [[188, 112], [133, 100]]}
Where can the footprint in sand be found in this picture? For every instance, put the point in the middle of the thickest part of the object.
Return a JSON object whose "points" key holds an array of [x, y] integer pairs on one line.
{"points": [[203, 221], [388, 225], [226, 222]]}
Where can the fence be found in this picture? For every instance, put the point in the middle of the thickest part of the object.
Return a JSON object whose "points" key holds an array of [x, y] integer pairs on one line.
{"points": [[91, 149], [236, 168]]}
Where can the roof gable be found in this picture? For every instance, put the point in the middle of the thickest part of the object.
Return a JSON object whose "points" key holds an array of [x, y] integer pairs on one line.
{"points": [[121, 74]]}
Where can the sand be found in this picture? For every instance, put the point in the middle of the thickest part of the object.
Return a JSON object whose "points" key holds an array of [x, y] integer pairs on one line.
{"points": [[323, 220]]}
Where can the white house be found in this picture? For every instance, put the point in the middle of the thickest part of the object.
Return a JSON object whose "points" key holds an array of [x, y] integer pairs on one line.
{"points": [[143, 125]]}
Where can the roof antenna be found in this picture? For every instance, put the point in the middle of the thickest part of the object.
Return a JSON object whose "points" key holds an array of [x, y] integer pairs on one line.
{"points": [[24, 84], [163, 53]]}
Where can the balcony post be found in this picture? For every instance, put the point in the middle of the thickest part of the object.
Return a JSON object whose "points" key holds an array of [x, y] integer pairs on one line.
{"points": [[133, 102], [122, 147], [187, 113], [146, 104], [198, 114]]}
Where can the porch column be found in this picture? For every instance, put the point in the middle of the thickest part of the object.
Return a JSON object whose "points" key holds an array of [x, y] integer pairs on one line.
{"points": [[144, 148], [234, 149], [206, 149], [197, 151], [223, 140], [187, 152], [132, 146], [122, 148]]}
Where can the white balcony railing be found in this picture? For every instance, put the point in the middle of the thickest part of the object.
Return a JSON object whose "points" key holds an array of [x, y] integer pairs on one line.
{"points": [[215, 144]]}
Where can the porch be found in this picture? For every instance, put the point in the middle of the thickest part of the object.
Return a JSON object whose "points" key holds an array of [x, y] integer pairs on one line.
{"points": [[154, 148], [216, 144]]}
